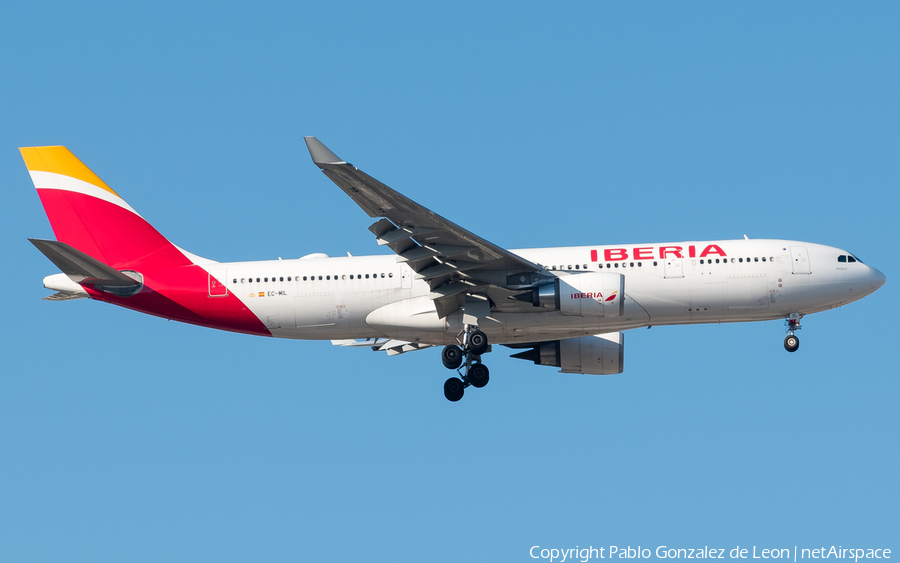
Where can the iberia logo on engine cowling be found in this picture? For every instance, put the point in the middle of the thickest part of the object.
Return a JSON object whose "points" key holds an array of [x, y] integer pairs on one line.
{"points": [[594, 295]]}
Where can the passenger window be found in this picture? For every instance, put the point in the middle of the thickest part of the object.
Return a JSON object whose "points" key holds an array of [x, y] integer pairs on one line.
{"points": [[390, 274], [235, 280], [740, 259], [320, 278], [382, 274], [631, 264], [617, 264], [654, 262], [304, 278], [577, 266], [344, 277], [701, 261], [351, 276], [267, 279], [764, 258], [242, 280], [328, 278], [257, 280], [367, 276], [756, 259], [640, 264]]}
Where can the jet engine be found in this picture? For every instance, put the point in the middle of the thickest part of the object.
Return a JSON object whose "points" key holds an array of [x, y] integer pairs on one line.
{"points": [[601, 354], [598, 294]]}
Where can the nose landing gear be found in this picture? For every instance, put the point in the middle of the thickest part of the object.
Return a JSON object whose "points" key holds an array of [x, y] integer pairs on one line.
{"points": [[792, 323], [474, 344]]}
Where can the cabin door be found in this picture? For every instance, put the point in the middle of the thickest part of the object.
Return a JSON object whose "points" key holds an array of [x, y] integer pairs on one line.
{"points": [[674, 267], [799, 260], [217, 278]]}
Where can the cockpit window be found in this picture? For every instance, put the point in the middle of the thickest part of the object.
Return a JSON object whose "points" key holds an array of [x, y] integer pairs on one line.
{"points": [[855, 259], [851, 258], [842, 258]]}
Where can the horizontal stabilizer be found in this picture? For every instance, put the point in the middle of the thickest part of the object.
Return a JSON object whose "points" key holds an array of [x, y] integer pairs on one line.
{"points": [[64, 296], [80, 267]]}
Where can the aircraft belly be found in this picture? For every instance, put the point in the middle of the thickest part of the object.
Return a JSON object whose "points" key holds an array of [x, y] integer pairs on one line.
{"points": [[416, 320]]}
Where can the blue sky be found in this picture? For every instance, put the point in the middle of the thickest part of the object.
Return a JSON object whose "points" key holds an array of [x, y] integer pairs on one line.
{"points": [[130, 438]]}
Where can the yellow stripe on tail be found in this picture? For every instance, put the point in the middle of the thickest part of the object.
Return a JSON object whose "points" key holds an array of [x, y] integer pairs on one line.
{"points": [[60, 160]]}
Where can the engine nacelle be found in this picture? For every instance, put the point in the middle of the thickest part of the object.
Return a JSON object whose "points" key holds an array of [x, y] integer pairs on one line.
{"points": [[598, 294], [601, 354]]}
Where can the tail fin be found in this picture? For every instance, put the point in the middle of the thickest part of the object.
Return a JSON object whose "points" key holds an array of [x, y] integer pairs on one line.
{"points": [[89, 216]]}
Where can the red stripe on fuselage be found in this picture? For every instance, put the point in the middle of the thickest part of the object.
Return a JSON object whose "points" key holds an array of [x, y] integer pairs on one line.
{"points": [[181, 294]]}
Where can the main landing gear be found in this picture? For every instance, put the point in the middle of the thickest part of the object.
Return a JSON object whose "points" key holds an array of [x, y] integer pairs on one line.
{"points": [[474, 344], [792, 323]]}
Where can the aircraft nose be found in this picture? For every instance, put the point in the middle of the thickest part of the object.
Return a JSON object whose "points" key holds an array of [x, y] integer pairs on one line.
{"points": [[877, 278]]}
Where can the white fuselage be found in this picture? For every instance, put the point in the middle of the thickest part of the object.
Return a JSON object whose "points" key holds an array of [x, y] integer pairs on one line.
{"points": [[665, 284]]}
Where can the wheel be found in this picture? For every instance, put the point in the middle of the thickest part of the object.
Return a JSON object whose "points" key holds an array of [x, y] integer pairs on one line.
{"points": [[478, 375], [791, 343], [452, 357], [478, 343], [453, 389]]}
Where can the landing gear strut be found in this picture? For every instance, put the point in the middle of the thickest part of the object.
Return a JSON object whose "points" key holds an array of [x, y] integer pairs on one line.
{"points": [[792, 323], [474, 344]]}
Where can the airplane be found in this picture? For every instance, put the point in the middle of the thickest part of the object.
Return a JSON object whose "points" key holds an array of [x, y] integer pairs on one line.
{"points": [[444, 286]]}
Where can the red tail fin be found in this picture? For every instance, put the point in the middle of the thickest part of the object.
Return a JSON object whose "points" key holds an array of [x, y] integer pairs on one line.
{"points": [[88, 215]]}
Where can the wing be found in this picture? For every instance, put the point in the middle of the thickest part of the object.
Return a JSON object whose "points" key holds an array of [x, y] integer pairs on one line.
{"points": [[451, 259]]}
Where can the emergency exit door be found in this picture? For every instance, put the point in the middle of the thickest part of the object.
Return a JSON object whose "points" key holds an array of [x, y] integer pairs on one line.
{"points": [[673, 267], [217, 287]]}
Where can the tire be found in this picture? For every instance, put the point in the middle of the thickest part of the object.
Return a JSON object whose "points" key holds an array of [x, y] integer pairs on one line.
{"points": [[453, 389], [479, 375], [791, 343], [478, 343], [452, 357]]}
